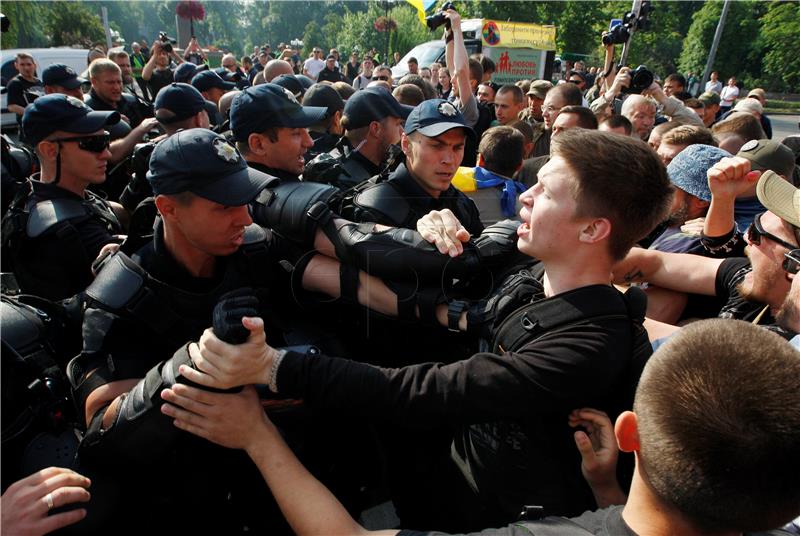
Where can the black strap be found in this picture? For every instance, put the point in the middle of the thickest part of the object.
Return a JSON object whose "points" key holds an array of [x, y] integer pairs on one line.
{"points": [[454, 310]]}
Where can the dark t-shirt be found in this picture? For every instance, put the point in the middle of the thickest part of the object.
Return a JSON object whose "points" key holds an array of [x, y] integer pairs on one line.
{"points": [[605, 522], [22, 92], [729, 275], [160, 78], [512, 444]]}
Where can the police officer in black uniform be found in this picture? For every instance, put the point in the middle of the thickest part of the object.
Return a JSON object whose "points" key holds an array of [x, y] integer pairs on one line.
{"points": [[177, 106], [271, 130], [373, 122], [433, 144], [326, 133], [55, 228]]}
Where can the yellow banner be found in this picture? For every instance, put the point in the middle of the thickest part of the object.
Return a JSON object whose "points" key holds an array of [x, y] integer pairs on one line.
{"points": [[518, 35]]}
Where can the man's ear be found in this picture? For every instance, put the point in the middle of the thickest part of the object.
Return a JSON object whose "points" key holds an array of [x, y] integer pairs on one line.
{"points": [[257, 144], [626, 431], [405, 144], [47, 149], [698, 204], [481, 161], [166, 206], [598, 229]]}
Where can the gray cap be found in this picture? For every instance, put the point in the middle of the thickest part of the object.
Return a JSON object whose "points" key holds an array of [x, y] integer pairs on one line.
{"points": [[688, 169], [769, 154]]}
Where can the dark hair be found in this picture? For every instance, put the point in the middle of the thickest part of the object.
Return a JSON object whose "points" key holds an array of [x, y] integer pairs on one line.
{"points": [[475, 70], [744, 125], [569, 92], [617, 120], [586, 118], [524, 128], [502, 148], [677, 78], [516, 93], [616, 177], [694, 103], [487, 64], [408, 94], [718, 414], [412, 60], [689, 135]]}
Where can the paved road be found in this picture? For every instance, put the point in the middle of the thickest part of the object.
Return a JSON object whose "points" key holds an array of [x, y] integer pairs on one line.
{"points": [[784, 125]]}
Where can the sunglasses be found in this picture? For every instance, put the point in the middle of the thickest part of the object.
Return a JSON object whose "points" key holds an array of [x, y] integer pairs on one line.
{"points": [[93, 144], [382, 77], [755, 232], [576, 81], [791, 261]]}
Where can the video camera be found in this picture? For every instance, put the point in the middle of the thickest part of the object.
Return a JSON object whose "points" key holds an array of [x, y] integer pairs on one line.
{"points": [[438, 18], [633, 21], [167, 41]]}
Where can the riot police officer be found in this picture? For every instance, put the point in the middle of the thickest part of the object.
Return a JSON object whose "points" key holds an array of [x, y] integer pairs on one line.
{"points": [[55, 228], [433, 143], [373, 123]]}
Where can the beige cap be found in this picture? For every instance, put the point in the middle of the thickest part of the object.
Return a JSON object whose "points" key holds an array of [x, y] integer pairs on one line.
{"points": [[780, 197]]}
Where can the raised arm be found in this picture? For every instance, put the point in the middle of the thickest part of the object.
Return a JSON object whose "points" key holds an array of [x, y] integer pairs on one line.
{"points": [[676, 271]]}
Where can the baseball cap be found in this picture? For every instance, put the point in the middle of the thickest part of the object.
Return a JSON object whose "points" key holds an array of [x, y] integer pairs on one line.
{"points": [[769, 154], [203, 163], [182, 100], [305, 81], [59, 74], [53, 112], [757, 92], [205, 80], [290, 82], [750, 106], [539, 88], [186, 71], [688, 169], [434, 117], [709, 97], [263, 106], [325, 96], [779, 197], [372, 104]]}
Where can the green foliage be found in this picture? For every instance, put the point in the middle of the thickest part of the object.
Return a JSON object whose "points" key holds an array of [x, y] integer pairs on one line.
{"points": [[73, 23], [357, 32], [26, 30], [780, 28], [410, 31], [313, 37]]}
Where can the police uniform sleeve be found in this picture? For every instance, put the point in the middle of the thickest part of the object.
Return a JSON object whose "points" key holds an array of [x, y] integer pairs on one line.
{"points": [[562, 370]]}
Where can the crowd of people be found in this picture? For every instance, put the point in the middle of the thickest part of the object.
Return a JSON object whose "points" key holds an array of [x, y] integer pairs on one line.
{"points": [[298, 296]]}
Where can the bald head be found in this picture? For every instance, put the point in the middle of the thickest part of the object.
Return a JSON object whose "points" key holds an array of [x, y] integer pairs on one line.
{"points": [[275, 68]]}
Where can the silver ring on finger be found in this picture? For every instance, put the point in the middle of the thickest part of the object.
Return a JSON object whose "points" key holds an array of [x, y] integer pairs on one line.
{"points": [[49, 500]]}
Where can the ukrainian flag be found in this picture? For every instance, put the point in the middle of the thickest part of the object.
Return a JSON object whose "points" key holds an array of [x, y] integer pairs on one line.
{"points": [[422, 6]]}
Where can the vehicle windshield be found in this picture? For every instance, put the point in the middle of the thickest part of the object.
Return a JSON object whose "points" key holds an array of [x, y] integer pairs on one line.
{"points": [[426, 53]]}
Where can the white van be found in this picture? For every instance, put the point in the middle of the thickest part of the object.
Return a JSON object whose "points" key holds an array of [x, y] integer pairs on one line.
{"points": [[44, 57]]}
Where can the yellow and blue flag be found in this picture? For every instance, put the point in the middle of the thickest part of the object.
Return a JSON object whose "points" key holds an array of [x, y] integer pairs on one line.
{"points": [[422, 6]]}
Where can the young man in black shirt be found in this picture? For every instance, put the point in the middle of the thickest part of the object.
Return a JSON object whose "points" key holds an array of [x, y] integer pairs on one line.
{"points": [[508, 405], [693, 477], [24, 88]]}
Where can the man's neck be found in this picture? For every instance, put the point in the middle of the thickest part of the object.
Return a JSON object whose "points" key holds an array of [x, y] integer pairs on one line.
{"points": [[30, 78], [372, 152], [196, 262], [574, 273], [77, 187], [647, 515]]}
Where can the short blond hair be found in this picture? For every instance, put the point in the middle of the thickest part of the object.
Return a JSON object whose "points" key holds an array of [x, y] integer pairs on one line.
{"points": [[103, 65]]}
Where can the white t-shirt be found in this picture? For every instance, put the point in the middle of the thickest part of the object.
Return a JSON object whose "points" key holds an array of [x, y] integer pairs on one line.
{"points": [[728, 95], [314, 67], [714, 87]]}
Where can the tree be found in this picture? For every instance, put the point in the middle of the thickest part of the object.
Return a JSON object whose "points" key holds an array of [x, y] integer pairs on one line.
{"points": [[25, 30], [313, 37], [780, 28], [72, 23]]}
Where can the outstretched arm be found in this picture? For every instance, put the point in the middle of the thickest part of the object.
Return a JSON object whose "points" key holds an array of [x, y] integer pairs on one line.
{"points": [[676, 271], [238, 421]]}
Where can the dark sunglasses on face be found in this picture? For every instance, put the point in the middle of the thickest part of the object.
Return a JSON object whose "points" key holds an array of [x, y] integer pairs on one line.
{"points": [[382, 77], [93, 144], [791, 261], [576, 81], [755, 232]]}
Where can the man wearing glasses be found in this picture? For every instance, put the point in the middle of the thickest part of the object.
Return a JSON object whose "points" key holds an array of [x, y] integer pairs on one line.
{"points": [[54, 231], [314, 64], [555, 99], [752, 288]]}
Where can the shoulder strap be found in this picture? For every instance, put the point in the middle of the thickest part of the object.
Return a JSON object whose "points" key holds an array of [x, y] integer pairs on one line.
{"points": [[531, 321]]}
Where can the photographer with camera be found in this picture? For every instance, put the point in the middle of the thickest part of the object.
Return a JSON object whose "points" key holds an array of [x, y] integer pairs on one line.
{"points": [[159, 72], [194, 53]]}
